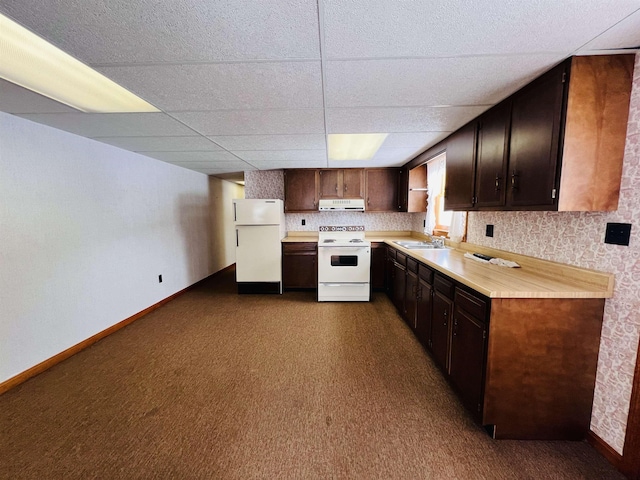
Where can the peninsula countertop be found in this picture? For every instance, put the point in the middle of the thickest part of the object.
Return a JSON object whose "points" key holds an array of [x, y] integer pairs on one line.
{"points": [[535, 278]]}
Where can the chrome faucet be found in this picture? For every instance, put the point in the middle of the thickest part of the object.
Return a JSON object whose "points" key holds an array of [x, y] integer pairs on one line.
{"points": [[438, 242]]}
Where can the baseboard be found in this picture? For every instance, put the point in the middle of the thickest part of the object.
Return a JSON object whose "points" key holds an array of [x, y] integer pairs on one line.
{"points": [[604, 449], [50, 362]]}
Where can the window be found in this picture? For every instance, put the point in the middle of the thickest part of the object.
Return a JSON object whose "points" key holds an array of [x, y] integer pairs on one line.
{"points": [[440, 221]]}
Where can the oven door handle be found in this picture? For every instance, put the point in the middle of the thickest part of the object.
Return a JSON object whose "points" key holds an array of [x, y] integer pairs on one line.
{"points": [[353, 284]]}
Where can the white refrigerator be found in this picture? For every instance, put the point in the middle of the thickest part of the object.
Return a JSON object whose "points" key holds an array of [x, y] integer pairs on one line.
{"points": [[260, 228]]}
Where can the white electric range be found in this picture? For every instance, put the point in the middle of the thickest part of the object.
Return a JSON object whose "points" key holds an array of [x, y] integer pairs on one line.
{"points": [[344, 264]]}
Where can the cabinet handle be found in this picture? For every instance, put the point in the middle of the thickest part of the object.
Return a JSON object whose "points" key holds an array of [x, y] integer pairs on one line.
{"points": [[368, 200], [336, 187], [445, 318], [514, 176], [498, 183], [345, 187]]}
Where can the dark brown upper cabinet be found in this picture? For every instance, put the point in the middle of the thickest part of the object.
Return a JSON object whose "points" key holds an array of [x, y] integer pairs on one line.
{"points": [[535, 132], [461, 158], [341, 183], [381, 186], [491, 158], [556, 144], [301, 190]]}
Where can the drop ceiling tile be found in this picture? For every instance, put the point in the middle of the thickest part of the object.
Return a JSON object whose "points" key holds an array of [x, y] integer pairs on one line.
{"points": [[283, 155], [271, 142], [413, 140], [625, 34], [365, 164], [225, 86], [360, 28], [112, 124], [185, 31], [229, 166], [401, 120], [429, 82], [250, 122], [278, 164], [396, 154], [161, 144], [191, 156], [15, 99]]}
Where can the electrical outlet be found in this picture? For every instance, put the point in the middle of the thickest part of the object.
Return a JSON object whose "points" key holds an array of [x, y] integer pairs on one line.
{"points": [[618, 233], [489, 231], [304, 222], [159, 278]]}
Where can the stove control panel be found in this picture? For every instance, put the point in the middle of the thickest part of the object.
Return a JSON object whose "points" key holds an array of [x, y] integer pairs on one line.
{"points": [[334, 228]]}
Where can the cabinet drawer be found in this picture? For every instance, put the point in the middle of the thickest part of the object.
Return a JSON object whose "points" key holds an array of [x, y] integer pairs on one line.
{"points": [[443, 285], [401, 258], [425, 273], [412, 265], [473, 305], [391, 253], [291, 247]]}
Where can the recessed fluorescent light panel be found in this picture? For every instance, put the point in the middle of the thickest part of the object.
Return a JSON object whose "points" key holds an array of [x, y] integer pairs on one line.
{"points": [[35, 64], [357, 146]]}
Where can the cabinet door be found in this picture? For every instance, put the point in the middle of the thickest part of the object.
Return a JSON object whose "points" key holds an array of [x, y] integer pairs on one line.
{"points": [[378, 260], [491, 162], [423, 314], [468, 344], [328, 183], [403, 190], [390, 272], [440, 327], [300, 190], [399, 285], [411, 299], [352, 183], [381, 189], [458, 194], [299, 265], [535, 138]]}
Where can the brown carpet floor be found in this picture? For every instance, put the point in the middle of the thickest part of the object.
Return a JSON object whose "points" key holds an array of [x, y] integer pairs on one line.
{"points": [[216, 385]]}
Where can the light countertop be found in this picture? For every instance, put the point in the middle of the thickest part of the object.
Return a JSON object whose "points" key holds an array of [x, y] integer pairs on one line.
{"points": [[535, 279]]}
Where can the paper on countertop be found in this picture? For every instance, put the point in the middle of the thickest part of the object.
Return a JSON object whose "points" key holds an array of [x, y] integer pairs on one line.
{"points": [[495, 260], [473, 257], [504, 263]]}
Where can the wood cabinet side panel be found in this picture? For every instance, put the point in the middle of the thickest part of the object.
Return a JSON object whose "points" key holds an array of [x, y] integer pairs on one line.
{"points": [[541, 367], [595, 132]]}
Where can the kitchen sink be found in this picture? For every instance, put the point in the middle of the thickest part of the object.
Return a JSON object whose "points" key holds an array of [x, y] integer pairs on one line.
{"points": [[417, 245]]}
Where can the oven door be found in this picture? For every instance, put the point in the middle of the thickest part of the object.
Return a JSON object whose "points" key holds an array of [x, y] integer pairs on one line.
{"points": [[344, 264]]}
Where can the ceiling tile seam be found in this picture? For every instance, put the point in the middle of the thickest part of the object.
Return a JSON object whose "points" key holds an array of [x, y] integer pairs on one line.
{"points": [[355, 107], [323, 73], [203, 62], [446, 57], [604, 31]]}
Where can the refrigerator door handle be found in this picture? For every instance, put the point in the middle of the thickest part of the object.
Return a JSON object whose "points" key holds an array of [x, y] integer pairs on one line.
{"points": [[235, 212], [237, 238]]}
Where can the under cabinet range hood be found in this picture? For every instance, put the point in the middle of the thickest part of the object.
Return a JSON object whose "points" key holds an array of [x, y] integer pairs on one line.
{"points": [[341, 204]]}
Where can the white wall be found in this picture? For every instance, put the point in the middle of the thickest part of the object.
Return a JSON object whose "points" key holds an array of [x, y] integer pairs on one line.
{"points": [[85, 230], [223, 239]]}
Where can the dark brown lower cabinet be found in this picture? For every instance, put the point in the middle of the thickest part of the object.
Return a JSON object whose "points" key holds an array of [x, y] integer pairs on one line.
{"points": [[524, 367], [378, 260], [411, 293], [399, 281], [468, 349], [424, 306], [299, 265]]}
